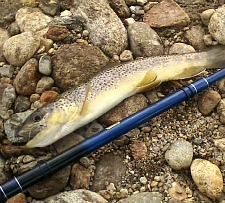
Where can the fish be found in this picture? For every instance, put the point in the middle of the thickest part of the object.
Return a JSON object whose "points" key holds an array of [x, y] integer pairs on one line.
{"points": [[91, 99]]}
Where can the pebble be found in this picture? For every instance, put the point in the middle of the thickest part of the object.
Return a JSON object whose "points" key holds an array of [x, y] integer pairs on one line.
{"points": [[45, 83], [109, 169], [220, 144], [217, 25], [206, 15], [31, 19], [106, 29], [143, 180], [22, 103], [7, 98], [12, 124], [6, 71], [34, 97], [4, 176], [20, 48], [146, 197], [19, 198], [177, 192], [49, 96], [138, 149], [125, 56], [179, 155], [67, 61], [207, 177], [221, 85], [166, 13], [79, 177], [49, 7], [50, 185], [45, 66], [195, 37], [127, 107], [149, 44], [120, 7], [92, 129], [142, 2], [208, 101], [221, 110], [181, 48], [26, 80], [208, 40], [4, 35], [76, 196], [57, 33], [129, 21]]}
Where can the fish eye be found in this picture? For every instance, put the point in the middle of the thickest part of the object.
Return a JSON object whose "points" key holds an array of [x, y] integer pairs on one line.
{"points": [[36, 118]]}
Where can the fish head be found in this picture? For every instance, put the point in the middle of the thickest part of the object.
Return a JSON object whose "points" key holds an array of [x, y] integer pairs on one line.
{"points": [[44, 126]]}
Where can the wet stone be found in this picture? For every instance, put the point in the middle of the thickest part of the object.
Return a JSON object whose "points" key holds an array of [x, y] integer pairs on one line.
{"points": [[45, 83], [144, 41], [22, 103], [44, 65], [166, 13], [109, 169], [20, 48]]}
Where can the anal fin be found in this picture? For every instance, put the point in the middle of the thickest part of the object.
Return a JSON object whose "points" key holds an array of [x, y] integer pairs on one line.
{"points": [[189, 72], [148, 82]]}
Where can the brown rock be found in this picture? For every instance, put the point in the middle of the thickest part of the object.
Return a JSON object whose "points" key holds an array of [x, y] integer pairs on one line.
{"points": [[166, 13], [126, 108], [138, 149], [75, 63], [207, 177], [57, 33], [49, 96], [208, 101], [195, 36], [120, 7], [79, 177], [19, 198], [109, 169], [27, 78], [177, 191], [50, 185]]}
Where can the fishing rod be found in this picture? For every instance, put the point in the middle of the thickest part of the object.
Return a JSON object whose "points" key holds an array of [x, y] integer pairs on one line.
{"points": [[22, 182]]}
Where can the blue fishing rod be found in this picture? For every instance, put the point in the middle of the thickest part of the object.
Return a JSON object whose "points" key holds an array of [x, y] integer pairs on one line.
{"points": [[22, 182]]}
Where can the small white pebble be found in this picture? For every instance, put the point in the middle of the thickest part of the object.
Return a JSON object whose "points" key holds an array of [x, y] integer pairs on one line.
{"points": [[143, 180]]}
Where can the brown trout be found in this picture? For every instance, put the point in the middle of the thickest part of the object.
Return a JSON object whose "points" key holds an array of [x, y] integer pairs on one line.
{"points": [[83, 104]]}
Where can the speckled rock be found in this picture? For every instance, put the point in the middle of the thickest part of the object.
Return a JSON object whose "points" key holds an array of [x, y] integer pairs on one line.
{"points": [[179, 155], [166, 13], [12, 124], [20, 48], [126, 55], [111, 169], [221, 110], [146, 197], [120, 7], [75, 63], [207, 177], [138, 149], [45, 83], [106, 30], [31, 19], [4, 35], [195, 37], [208, 101], [52, 185], [177, 191], [57, 33], [45, 66], [217, 25], [220, 144], [124, 109], [80, 177], [76, 196], [22, 103], [26, 80], [181, 48], [19, 198], [206, 15], [7, 98], [149, 44]]}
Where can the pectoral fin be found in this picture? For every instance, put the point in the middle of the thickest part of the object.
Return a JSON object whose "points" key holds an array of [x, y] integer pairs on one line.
{"points": [[148, 82], [189, 72]]}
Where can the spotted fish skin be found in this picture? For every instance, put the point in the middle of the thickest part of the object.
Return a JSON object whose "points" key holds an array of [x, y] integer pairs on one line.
{"points": [[83, 104]]}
